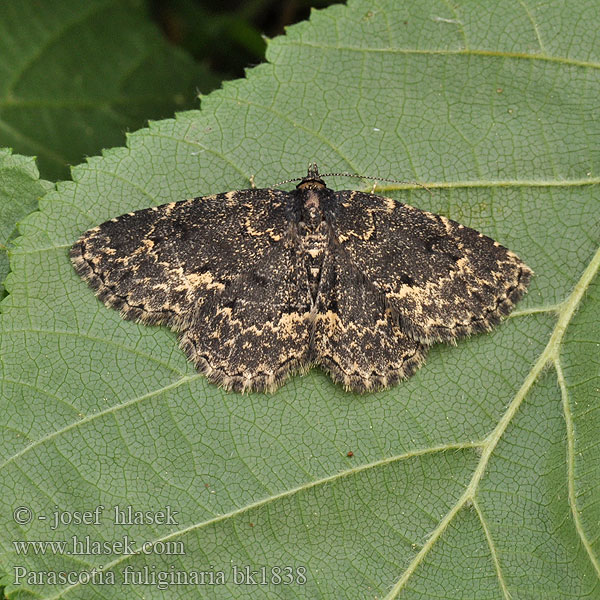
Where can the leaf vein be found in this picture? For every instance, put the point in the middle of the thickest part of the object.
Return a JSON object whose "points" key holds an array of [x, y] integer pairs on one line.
{"points": [[446, 52], [285, 494], [549, 354], [493, 550], [570, 427]]}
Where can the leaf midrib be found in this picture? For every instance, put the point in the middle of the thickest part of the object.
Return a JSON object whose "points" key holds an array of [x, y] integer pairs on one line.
{"points": [[447, 52]]}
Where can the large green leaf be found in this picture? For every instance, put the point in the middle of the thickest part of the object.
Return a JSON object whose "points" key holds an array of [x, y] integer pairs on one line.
{"points": [[75, 75], [478, 477], [20, 188]]}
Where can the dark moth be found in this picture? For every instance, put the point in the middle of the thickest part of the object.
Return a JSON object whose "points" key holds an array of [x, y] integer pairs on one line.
{"points": [[262, 283]]}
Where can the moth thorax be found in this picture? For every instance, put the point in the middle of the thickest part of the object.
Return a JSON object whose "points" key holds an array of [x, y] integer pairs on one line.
{"points": [[312, 212]]}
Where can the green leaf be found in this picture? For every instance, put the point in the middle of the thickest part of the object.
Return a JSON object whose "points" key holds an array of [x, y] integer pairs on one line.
{"points": [[20, 188], [478, 477], [74, 76]]}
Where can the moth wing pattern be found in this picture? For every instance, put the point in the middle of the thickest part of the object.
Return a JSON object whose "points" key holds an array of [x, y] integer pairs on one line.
{"points": [[221, 270], [255, 333], [357, 338], [444, 280], [156, 264], [262, 283]]}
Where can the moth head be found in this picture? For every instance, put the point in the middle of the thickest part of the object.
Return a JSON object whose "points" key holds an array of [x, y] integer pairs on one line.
{"points": [[312, 180]]}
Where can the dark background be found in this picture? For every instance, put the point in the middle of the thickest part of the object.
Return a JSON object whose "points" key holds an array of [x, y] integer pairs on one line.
{"points": [[227, 35]]}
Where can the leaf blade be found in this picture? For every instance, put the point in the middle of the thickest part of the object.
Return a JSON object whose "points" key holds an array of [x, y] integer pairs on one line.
{"points": [[20, 188], [76, 76], [280, 462]]}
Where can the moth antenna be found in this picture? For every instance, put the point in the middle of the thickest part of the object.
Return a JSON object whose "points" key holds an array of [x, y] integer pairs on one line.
{"points": [[377, 179], [287, 181]]}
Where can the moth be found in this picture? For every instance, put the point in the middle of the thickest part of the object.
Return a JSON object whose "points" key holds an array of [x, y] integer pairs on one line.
{"points": [[263, 283]]}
